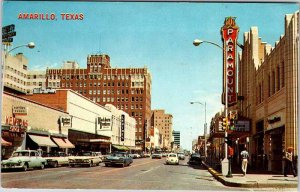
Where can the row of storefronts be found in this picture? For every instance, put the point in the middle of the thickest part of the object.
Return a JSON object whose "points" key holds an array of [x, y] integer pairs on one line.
{"points": [[63, 121], [268, 100]]}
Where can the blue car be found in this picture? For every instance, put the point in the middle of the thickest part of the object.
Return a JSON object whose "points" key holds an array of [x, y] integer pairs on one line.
{"points": [[118, 158]]}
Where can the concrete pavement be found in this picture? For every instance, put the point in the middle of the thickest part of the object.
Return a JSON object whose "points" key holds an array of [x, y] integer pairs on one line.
{"points": [[255, 180]]}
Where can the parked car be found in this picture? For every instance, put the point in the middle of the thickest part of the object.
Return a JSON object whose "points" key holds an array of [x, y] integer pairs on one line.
{"points": [[118, 158], [24, 159], [156, 155], [147, 155], [100, 155], [85, 158], [56, 159], [181, 156], [172, 158], [195, 159]]}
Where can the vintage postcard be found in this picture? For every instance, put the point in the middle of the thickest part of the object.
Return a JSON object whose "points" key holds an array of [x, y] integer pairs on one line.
{"points": [[176, 95]]}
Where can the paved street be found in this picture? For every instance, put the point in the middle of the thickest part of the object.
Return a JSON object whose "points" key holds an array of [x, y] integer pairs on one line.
{"points": [[143, 174]]}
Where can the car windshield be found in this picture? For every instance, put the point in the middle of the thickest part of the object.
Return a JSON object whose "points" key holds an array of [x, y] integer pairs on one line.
{"points": [[172, 155], [20, 154], [118, 155]]}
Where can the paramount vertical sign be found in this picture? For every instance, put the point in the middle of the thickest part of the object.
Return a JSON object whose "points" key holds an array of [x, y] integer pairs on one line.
{"points": [[229, 36]]}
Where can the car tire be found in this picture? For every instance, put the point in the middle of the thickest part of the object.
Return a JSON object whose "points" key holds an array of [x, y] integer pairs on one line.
{"points": [[25, 167], [106, 165], [42, 166], [91, 164]]}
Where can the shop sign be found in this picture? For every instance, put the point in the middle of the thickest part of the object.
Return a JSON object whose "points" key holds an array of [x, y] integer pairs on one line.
{"points": [[16, 122], [122, 127], [19, 110], [229, 36], [66, 121], [243, 126], [104, 122], [17, 127]]}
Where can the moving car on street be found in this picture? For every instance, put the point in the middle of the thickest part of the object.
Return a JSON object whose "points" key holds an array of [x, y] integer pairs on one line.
{"points": [[24, 159], [134, 155], [172, 158], [56, 159], [181, 156], [85, 158], [118, 158], [156, 155]]}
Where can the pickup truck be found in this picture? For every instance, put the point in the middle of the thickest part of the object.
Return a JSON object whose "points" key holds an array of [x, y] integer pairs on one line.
{"points": [[56, 159], [85, 158]]}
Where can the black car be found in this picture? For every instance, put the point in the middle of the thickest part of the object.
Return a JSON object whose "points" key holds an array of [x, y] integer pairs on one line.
{"points": [[195, 159]]}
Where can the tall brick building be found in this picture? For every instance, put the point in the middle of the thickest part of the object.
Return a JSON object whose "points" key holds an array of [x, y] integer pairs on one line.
{"points": [[128, 89], [163, 122]]}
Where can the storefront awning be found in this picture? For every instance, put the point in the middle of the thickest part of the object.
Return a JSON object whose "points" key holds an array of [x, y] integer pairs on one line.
{"points": [[42, 141], [136, 148], [120, 147], [5, 143], [63, 143]]}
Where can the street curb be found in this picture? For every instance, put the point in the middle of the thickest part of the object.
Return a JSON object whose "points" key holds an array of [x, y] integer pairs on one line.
{"points": [[219, 177]]}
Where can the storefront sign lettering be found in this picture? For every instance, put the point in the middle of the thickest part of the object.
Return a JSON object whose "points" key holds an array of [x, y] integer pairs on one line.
{"points": [[122, 127], [229, 35], [104, 122], [20, 110], [66, 121], [16, 122]]}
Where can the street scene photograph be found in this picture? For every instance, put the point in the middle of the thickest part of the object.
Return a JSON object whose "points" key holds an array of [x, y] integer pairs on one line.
{"points": [[188, 96]]}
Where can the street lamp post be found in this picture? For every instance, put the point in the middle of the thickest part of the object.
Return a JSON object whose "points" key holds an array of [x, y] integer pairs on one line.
{"points": [[30, 45], [197, 42], [205, 126]]}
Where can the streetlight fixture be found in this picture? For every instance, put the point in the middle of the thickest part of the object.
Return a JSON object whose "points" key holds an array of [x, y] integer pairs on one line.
{"points": [[30, 45], [205, 125], [197, 42]]}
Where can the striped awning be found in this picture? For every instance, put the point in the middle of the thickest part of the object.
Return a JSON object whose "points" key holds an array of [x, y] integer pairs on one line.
{"points": [[63, 142], [42, 141], [120, 147], [5, 143]]}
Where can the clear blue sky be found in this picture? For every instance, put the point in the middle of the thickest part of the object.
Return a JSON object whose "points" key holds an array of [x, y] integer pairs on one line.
{"points": [[158, 35]]}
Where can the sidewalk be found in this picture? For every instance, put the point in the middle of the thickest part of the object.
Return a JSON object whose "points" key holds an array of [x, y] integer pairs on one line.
{"points": [[255, 180]]}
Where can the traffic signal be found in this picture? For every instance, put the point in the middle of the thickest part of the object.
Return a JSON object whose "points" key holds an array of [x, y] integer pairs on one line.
{"points": [[224, 123]]}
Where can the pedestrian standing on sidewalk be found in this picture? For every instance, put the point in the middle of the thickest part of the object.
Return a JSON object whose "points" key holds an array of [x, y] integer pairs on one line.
{"points": [[289, 165], [244, 156]]}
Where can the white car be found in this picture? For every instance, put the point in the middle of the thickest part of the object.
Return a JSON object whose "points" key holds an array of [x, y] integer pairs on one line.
{"points": [[172, 158], [56, 159], [85, 158], [24, 159]]}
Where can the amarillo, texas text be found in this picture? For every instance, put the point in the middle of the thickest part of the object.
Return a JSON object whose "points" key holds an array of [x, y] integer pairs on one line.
{"points": [[50, 16]]}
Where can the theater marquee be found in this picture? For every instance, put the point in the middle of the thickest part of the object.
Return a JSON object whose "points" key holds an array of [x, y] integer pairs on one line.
{"points": [[229, 36]]}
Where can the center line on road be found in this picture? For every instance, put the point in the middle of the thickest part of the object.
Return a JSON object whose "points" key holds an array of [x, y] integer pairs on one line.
{"points": [[152, 169]]}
